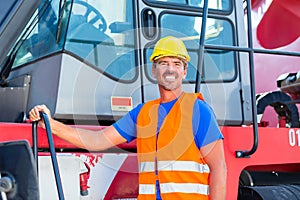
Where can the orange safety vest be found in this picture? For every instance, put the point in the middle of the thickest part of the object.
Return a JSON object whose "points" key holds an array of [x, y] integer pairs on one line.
{"points": [[182, 171]]}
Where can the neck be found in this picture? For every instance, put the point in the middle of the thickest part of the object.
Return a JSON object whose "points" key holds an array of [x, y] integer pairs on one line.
{"points": [[167, 95]]}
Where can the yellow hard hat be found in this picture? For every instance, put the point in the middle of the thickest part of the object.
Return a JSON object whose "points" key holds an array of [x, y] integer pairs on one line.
{"points": [[170, 46]]}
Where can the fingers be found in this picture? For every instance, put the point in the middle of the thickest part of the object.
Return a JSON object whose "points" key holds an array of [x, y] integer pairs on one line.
{"points": [[34, 113]]}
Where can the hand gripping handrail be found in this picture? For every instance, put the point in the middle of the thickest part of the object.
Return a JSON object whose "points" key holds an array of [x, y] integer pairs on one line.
{"points": [[52, 152]]}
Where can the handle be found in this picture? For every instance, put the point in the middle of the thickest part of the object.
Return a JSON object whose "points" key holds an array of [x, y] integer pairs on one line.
{"points": [[53, 156]]}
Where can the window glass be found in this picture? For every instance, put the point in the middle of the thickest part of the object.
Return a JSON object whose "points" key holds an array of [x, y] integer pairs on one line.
{"points": [[212, 4], [218, 65], [40, 39], [101, 33]]}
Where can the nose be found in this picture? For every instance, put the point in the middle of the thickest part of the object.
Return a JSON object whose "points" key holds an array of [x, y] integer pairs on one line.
{"points": [[171, 66]]}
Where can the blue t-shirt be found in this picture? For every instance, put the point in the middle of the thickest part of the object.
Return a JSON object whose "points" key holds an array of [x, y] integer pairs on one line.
{"points": [[205, 127]]}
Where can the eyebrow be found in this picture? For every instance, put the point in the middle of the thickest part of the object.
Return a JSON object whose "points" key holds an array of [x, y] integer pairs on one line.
{"points": [[176, 62]]}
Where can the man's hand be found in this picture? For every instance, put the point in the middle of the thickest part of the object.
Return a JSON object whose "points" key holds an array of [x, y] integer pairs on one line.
{"points": [[34, 114]]}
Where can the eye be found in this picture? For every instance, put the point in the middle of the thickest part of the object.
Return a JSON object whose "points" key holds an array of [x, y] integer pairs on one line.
{"points": [[178, 64], [163, 64]]}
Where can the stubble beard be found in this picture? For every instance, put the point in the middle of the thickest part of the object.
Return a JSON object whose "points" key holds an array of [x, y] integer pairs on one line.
{"points": [[169, 85]]}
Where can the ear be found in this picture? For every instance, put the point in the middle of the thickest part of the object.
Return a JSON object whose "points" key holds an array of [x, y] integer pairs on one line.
{"points": [[154, 71], [185, 71]]}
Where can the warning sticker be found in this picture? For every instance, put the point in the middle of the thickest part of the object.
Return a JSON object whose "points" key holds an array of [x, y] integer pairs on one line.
{"points": [[121, 103]]}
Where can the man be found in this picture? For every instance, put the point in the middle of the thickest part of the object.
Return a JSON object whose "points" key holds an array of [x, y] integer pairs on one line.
{"points": [[179, 145]]}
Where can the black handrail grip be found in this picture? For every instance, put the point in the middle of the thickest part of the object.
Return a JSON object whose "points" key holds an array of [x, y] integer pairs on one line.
{"points": [[243, 154], [201, 47], [53, 156], [35, 144]]}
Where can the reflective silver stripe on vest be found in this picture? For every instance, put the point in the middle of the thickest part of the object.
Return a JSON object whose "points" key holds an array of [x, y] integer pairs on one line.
{"points": [[146, 189], [184, 188], [147, 167], [190, 166]]}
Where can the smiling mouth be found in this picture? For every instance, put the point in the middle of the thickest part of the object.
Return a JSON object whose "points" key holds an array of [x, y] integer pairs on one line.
{"points": [[170, 78]]}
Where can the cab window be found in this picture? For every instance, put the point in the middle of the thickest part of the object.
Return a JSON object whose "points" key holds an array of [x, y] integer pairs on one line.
{"points": [[223, 5], [102, 35], [219, 65]]}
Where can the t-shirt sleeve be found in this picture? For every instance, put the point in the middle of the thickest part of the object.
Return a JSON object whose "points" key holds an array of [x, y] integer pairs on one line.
{"points": [[205, 126], [126, 126]]}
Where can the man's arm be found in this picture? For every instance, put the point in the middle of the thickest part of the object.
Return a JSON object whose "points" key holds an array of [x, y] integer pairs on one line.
{"points": [[213, 154], [82, 138]]}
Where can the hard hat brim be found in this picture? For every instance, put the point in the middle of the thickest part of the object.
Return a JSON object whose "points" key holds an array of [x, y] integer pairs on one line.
{"points": [[187, 59]]}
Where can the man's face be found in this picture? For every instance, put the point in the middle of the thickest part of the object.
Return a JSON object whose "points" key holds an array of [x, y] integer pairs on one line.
{"points": [[169, 72]]}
